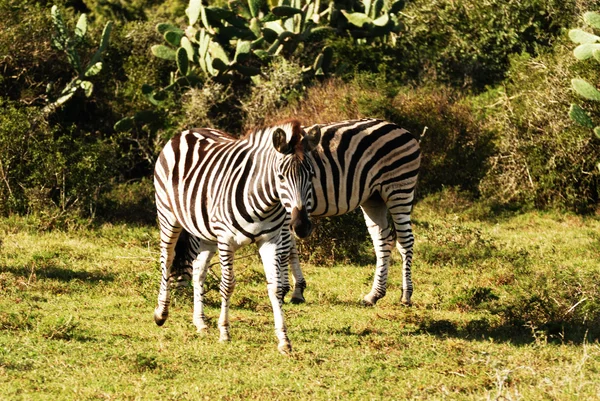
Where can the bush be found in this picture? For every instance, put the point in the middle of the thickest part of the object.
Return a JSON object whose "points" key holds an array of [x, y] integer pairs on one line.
{"points": [[327, 246], [129, 202], [282, 82], [455, 148], [543, 158], [469, 43]]}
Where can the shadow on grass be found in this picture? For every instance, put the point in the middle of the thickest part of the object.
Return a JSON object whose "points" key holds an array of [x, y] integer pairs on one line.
{"points": [[60, 274], [517, 333]]}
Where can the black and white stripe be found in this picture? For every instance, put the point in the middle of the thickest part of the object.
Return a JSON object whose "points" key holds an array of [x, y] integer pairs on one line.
{"points": [[373, 164], [227, 193]]}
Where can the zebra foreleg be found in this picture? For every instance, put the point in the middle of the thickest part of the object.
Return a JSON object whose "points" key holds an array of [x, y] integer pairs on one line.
{"points": [[299, 281], [226, 289], [200, 266], [269, 255], [168, 238], [283, 260]]}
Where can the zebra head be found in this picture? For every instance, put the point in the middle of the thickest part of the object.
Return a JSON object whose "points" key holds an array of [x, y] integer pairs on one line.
{"points": [[294, 173]]}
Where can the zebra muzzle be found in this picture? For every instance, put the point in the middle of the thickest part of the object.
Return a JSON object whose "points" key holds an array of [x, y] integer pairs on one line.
{"points": [[301, 224]]}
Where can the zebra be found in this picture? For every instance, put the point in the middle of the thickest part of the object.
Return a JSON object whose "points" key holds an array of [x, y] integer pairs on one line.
{"points": [[373, 164], [226, 193], [369, 163]]}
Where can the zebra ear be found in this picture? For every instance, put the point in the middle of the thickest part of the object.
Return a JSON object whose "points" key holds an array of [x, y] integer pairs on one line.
{"points": [[280, 141], [312, 138]]}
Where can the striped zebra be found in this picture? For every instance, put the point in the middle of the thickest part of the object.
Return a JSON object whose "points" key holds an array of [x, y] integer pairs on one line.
{"points": [[227, 193], [369, 163], [373, 164]]}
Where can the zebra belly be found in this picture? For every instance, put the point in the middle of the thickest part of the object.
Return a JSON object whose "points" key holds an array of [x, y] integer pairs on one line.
{"points": [[227, 234]]}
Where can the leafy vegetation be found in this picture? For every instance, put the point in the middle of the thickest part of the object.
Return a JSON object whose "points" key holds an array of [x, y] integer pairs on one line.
{"points": [[492, 105], [588, 48]]}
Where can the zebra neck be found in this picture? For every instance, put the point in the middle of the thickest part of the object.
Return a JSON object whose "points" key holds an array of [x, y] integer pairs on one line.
{"points": [[257, 188]]}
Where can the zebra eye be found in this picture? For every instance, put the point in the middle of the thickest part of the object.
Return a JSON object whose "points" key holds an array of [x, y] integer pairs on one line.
{"points": [[281, 178]]}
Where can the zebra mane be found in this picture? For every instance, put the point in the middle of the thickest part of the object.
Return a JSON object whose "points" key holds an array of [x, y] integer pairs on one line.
{"points": [[294, 135]]}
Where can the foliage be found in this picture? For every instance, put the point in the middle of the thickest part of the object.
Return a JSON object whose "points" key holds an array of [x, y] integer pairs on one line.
{"points": [[231, 44], [543, 159], [69, 44], [50, 163], [280, 85], [338, 240], [588, 48], [48, 170], [469, 43]]}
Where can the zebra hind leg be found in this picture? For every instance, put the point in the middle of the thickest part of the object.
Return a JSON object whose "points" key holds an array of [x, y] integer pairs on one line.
{"points": [[186, 250], [400, 208], [226, 288], [375, 213]]}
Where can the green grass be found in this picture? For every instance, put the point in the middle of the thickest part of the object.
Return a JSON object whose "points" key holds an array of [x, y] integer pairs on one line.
{"points": [[504, 308]]}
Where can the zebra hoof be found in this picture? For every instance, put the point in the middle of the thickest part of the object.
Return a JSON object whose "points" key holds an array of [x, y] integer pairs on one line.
{"points": [[160, 318], [406, 298], [285, 348], [297, 300], [369, 300], [201, 329], [224, 337]]}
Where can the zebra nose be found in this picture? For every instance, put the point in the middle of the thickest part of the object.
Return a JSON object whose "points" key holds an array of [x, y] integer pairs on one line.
{"points": [[301, 224]]}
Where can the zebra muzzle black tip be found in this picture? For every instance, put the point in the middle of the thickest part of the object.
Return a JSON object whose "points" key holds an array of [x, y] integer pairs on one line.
{"points": [[301, 224]]}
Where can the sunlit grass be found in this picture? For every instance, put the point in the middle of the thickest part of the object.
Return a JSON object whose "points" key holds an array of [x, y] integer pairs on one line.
{"points": [[504, 308]]}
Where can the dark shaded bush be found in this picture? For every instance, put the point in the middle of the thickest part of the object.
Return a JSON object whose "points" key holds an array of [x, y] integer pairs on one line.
{"points": [[129, 202], [341, 239], [469, 43], [456, 148]]}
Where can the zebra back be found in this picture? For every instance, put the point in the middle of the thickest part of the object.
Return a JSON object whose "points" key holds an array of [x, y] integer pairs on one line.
{"points": [[359, 159]]}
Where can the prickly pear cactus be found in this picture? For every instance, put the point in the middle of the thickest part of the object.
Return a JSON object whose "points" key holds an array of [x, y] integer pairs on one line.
{"points": [[68, 43], [588, 47], [234, 42]]}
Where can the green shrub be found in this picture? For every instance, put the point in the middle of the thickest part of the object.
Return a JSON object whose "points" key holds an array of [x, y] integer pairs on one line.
{"points": [[282, 82], [130, 202], [455, 147], [543, 159], [27, 60], [562, 303], [469, 42]]}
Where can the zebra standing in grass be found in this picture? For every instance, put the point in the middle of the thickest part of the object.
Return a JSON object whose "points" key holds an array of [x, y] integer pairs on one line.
{"points": [[369, 163], [227, 193], [373, 164]]}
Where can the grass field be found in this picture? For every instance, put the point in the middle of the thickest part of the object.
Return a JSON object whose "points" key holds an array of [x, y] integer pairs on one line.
{"points": [[505, 308]]}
